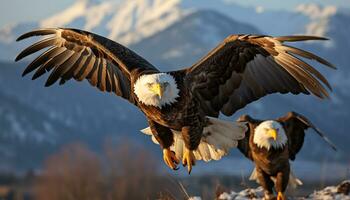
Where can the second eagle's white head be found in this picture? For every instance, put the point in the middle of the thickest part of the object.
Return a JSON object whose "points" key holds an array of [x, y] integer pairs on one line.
{"points": [[270, 134], [156, 89]]}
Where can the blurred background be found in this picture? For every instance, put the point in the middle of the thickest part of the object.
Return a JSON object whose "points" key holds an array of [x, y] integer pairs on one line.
{"points": [[74, 138]]}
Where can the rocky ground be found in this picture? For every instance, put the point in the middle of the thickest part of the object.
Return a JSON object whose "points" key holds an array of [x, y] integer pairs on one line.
{"points": [[338, 192]]}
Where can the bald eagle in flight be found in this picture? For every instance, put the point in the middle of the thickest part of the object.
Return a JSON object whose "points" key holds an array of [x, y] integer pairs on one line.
{"points": [[242, 69], [270, 144]]}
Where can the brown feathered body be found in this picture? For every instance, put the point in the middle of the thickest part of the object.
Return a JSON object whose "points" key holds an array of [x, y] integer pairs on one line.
{"points": [[273, 164], [184, 115]]}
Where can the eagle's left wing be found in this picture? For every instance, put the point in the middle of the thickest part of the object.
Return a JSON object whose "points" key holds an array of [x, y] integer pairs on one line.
{"points": [[243, 144], [295, 125], [244, 68]]}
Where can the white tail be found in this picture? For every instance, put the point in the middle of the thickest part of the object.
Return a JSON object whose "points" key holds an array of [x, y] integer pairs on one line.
{"points": [[293, 182], [217, 139]]}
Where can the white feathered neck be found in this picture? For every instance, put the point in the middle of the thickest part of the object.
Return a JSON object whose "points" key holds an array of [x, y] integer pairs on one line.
{"points": [[263, 140], [147, 97]]}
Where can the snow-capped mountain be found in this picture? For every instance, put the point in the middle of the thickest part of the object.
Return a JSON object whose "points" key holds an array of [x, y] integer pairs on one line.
{"points": [[124, 21], [194, 36], [128, 22]]}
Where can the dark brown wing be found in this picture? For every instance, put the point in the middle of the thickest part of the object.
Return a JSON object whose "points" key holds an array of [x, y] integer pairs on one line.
{"points": [[243, 145], [244, 68], [82, 55], [295, 125]]}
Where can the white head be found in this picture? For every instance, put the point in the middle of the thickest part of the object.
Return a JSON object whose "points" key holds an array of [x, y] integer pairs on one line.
{"points": [[156, 89], [270, 134]]}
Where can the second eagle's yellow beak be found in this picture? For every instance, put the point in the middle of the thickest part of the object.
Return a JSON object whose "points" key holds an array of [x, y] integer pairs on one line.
{"points": [[273, 133], [158, 89]]}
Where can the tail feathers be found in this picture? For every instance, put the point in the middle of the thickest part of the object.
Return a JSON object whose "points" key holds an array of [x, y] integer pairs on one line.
{"points": [[217, 139], [293, 182]]}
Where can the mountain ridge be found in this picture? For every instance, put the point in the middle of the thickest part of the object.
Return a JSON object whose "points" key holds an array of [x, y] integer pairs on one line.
{"points": [[129, 22]]}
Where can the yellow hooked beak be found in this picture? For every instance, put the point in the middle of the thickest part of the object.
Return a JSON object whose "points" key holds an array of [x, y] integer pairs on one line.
{"points": [[158, 89], [273, 133]]}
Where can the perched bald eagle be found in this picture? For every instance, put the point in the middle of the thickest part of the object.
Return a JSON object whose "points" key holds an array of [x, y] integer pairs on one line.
{"points": [[270, 144], [242, 69]]}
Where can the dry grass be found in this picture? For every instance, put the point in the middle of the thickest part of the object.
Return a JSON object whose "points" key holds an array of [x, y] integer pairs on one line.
{"points": [[121, 172]]}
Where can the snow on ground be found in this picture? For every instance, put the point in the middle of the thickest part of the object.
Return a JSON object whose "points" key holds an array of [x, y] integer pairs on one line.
{"points": [[340, 192], [333, 192]]}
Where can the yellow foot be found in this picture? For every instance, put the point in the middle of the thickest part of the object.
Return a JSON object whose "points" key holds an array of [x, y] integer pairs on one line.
{"points": [[280, 196], [269, 196], [170, 159], [189, 160]]}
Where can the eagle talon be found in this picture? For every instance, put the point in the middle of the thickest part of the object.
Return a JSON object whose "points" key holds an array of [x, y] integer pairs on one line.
{"points": [[170, 159], [280, 196], [188, 160]]}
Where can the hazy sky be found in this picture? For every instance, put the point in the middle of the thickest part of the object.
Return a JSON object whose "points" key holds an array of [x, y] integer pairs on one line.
{"points": [[30, 10]]}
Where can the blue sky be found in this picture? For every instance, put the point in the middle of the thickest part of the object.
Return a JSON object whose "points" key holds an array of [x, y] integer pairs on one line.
{"points": [[30, 10]]}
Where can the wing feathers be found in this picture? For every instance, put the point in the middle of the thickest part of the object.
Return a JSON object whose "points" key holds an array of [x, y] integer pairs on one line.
{"points": [[295, 125], [92, 76], [52, 52], [83, 61], [306, 54], [85, 70], [47, 31], [310, 69], [317, 130], [262, 64], [82, 55], [308, 80], [61, 69], [296, 38], [53, 62], [37, 47], [101, 82]]}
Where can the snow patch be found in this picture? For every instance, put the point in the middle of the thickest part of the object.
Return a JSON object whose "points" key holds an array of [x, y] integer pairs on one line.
{"points": [[66, 16], [244, 194], [96, 14], [259, 9], [6, 33], [332, 192], [319, 17], [139, 19]]}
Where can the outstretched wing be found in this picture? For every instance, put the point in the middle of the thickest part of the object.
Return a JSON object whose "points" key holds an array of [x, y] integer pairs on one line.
{"points": [[295, 125], [82, 55], [244, 68], [243, 144]]}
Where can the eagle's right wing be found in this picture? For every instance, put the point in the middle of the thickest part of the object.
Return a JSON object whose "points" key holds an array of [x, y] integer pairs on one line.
{"points": [[83, 55], [244, 68], [295, 126]]}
